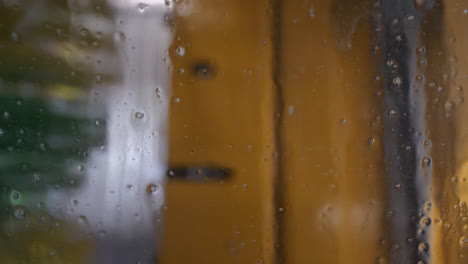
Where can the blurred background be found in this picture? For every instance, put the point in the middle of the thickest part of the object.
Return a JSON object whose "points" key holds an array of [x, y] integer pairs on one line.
{"points": [[216, 131]]}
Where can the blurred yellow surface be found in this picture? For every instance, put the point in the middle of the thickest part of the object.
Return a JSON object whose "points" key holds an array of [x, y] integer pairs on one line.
{"points": [[293, 103]]}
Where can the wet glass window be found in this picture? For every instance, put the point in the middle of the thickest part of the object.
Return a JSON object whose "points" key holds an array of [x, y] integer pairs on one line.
{"points": [[207, 131]]}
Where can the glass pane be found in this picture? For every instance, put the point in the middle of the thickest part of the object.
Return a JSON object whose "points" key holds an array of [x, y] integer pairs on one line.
{"points": [[207, 131]]}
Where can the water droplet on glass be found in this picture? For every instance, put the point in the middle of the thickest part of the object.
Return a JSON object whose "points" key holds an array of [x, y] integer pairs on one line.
{"points": [[379, 261], [19, 213], [139, 115], [249, 148], [36, 177], [176, 100], [449, 105], [180, 51], [311, 12], [15, 195], [423, 247], [98, 123], [426, 162], [142, 7], [291, 109], [152, 188], [102, 234], [391, 64], [84, 32], [82, 219], [397, 81], [15, 36], [119, 36], [463, 241], [419, 3], [2, 132], [425, 221], [392, 112]]}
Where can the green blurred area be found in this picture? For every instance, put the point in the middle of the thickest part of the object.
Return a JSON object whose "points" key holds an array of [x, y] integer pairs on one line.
{"points": [[47, 124]]}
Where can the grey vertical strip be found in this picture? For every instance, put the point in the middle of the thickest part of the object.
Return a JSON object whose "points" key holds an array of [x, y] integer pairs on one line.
{"points": [[400, 22]]}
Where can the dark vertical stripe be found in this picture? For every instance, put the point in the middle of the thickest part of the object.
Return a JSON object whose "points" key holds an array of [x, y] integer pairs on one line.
{"points": [[399, 32], [277, 9]]}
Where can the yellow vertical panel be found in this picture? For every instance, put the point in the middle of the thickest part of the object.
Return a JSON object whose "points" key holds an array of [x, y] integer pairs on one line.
{"points": [[448, 112], [221, 114], [333, 154]]}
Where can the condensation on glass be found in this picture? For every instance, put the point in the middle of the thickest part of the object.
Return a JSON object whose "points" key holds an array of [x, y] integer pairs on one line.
{"points": [[208, 131]]}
